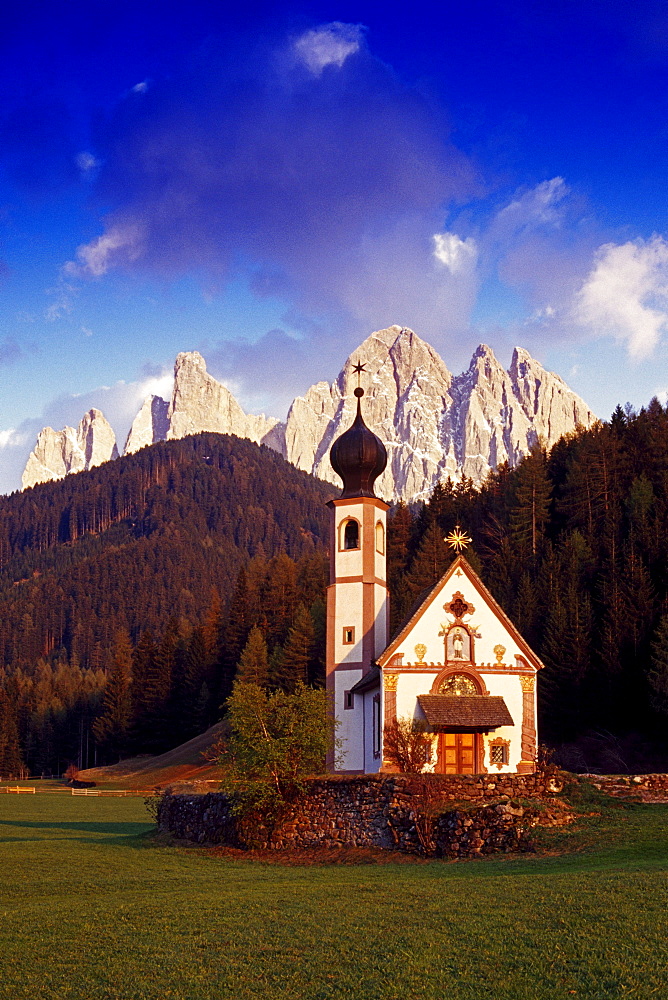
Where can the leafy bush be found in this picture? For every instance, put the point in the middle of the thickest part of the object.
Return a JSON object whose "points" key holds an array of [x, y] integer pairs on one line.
{"points": [[276, 740]]}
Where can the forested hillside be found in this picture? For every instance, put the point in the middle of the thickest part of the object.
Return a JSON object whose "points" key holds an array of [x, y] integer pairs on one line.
{"points": [[574, 546], [145, 546], [131, 595]]}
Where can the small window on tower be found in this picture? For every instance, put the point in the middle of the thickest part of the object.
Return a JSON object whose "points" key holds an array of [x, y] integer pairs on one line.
{"points": [[380, 538], [351, 535], [376, 727], [348, 699], [349, 635]]}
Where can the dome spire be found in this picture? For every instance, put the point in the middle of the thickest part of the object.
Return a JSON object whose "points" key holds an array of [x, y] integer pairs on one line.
{"points": [[358, 456]]}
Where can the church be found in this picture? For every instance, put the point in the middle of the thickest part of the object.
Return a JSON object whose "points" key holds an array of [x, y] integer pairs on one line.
{"points": [[458, 665]]}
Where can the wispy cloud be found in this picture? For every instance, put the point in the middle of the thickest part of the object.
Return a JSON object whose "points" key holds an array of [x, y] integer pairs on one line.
{"points": [[10, 351], [121, 244], [86, 162], [530, 209], [328, 45], [625, 295], [63, 293]]}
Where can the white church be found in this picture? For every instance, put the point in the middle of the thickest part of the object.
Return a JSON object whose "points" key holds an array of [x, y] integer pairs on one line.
{"points": [[458, 665]]}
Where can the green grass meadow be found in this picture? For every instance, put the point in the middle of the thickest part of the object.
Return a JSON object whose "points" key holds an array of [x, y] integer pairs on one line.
{"points": [[93, 907]]}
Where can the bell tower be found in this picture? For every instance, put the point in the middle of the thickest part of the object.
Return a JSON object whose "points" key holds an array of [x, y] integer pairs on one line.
{"points": [[357, 597]]}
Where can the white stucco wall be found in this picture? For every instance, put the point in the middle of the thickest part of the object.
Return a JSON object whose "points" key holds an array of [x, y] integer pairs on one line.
{"points": [[351, 722], [491, 630], [348, 615]]}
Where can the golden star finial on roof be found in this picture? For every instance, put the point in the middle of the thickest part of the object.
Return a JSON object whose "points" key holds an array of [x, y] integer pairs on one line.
{"points": [[358, 369], [458, 539]]}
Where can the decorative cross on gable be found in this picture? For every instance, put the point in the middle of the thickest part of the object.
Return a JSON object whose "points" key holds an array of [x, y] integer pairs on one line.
{"points": [[458, 607]]}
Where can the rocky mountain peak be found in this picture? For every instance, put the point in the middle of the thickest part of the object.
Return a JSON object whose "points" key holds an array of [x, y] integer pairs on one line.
{"points": [[58, 453], [149, 426], [433, 424], [201, 403]]}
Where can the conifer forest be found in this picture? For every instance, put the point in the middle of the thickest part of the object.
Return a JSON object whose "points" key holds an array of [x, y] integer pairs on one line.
{"points": [[132, 595]]}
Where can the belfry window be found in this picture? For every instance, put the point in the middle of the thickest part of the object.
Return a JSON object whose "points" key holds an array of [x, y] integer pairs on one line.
{"points": [[351, 535], [380, 538]]}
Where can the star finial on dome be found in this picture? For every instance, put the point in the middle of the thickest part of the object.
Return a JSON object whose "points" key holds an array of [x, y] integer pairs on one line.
{"points": [[358, 369]]}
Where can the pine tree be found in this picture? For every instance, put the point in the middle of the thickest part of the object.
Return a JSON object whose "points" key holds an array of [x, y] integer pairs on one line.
{"points": [[279, 598], [111, 728], [442, 503], [658, 673], [11, 764], [431, 561], [253, 666], [237, 625], [293, 665], [212, 630], [531, 507], [318, 613], [399, 536]]}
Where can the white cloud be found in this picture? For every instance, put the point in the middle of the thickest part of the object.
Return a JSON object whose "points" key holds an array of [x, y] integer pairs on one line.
{"points": [[86, 331], [156, 385], [625, 294], [87, 162], [328, 45], [11, 438], [121, 244], [140, 88], [456, 254], [541, 315]]}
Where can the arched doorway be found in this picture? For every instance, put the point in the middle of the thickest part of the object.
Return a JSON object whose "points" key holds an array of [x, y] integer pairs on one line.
{"points": [[458, 752]]}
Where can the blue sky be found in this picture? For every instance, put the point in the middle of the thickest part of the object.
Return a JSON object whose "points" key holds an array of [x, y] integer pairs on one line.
{"points": [[270, 185]]}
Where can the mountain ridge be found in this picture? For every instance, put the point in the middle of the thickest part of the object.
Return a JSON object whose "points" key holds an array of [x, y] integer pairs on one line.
{"points": [[436, 424]]}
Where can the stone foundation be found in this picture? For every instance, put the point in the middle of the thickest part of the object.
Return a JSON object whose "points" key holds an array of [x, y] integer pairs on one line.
{"points": [[647, 787], [440, 815]]}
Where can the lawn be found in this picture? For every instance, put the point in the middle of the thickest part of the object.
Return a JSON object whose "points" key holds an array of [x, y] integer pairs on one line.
{"points": [[92, 907]]}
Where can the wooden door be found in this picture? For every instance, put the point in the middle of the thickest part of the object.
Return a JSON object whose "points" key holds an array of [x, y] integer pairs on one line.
{"points": [[457, 753]]}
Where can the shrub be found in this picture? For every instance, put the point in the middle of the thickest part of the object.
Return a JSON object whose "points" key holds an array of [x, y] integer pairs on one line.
{"points": [[407, 745], [276, 740]]}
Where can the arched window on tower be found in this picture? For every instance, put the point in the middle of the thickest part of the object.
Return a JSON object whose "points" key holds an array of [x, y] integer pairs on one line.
{"points": [[351, 534], [380, 538]]}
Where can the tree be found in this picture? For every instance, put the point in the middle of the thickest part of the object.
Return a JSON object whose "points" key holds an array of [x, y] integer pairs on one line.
{"points": [[293, 661], [253, 666], [431, 561], [111, 729], [275, 741], [658, 673], [11, 764], [531, 507], [407, 745]]}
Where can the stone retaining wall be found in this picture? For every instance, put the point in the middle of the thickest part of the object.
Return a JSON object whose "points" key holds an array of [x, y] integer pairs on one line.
{"points": [[465, 815], [648, 787]]}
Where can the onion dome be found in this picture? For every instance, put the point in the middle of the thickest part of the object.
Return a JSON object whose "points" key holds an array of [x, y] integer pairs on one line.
{"points": [[358, 457]]}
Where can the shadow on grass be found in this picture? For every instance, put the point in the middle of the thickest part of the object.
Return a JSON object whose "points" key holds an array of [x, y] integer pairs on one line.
{"points": [[118, 829]]}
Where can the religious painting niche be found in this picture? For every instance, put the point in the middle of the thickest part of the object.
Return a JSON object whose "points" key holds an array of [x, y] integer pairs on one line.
{"points": [[458, 645], [459, 684]]}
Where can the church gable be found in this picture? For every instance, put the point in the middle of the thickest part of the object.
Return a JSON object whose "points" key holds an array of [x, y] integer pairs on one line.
{"points": [[460, 622]]}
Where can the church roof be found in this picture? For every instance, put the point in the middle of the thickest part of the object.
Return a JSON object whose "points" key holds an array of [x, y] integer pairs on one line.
{"points": [[464, 712], [370, 680], [431, 595]]}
